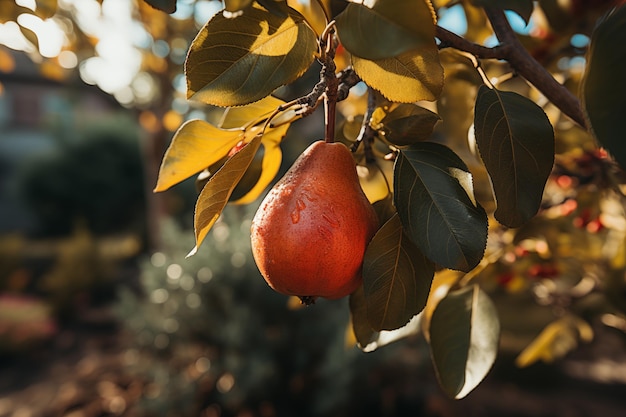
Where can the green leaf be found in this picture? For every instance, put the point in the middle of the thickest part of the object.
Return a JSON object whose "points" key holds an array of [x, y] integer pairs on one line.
{"points": [[524, 8], [408, 123], [195, 146], [412, 76], [276, 7], [603, 88], [240, 60], [386, 29], [168, 6], [360, 325], [516, 143], [384, 209], [464, 336], [217, 191], [396, 278], [433, 193], [369, 340]]}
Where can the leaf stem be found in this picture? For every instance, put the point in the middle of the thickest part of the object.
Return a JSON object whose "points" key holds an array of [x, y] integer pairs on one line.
{"points": [[479, 69], [533, 71]]}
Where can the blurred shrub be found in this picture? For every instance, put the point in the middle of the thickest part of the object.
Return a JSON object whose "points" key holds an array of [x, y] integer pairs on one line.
{"points": [[97, 178], [11, 251], [210, 331], [24, 322], [71, 274], [78, 274]]}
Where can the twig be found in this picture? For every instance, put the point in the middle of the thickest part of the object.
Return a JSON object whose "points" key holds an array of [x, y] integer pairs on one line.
{"points": [[347, 80], [366, 134]]}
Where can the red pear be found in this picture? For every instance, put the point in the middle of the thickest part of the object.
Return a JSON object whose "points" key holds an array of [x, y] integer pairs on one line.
{"points": [[311, 230]]}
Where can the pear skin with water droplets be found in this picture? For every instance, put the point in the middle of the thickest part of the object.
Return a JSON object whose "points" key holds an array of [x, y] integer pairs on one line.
{"points": [[310, 232]]}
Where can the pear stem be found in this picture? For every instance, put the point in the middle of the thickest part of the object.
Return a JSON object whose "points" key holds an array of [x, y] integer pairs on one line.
{"points": [[330, 100], [330, 110], [332, 82]]}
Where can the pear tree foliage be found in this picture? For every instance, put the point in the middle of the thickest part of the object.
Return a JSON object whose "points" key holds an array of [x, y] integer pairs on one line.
{"points": [[456, 142]]}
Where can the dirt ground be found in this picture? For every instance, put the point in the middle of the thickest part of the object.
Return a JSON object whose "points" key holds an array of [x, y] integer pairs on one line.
{"points": [[90, 371]]}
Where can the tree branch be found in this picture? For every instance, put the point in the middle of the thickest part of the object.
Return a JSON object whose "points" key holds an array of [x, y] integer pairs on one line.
{"points": [[451, 39], [512, 50], [533, 71]]}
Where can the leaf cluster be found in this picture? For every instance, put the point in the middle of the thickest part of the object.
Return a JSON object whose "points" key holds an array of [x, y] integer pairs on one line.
{"points": [[432, 217]]}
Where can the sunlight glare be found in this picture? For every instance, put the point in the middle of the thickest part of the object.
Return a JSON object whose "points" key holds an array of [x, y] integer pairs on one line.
{"points": [[453, 18], [205, 10], [118, 60], [29, 4], [11, 37], [68, 59], [518, 24], [86, 14], [124, 96], [183, 11], [144, 87], [51, 38]]}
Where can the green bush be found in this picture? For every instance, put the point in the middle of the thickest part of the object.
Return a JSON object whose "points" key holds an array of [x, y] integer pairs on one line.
{"points": [[97, 178]]}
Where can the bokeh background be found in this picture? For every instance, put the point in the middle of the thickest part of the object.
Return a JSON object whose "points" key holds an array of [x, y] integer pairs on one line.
{"points": [[101, 313]]}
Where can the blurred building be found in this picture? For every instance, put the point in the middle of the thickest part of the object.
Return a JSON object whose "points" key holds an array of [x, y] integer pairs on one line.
{"points": [[35, 112]]}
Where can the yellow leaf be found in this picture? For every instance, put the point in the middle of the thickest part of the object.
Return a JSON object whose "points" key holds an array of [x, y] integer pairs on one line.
{"points": [[46, 8], [350, 337], [555, 340], [234, 117], [195, 146], [477, 28], [271, 163], [30, 36], [619, 260], [412, 76], [385, 28], [376, 181], [218, 189], [312, 12], [240, 60], [9, 11], [7, 63], [52, 71]]}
